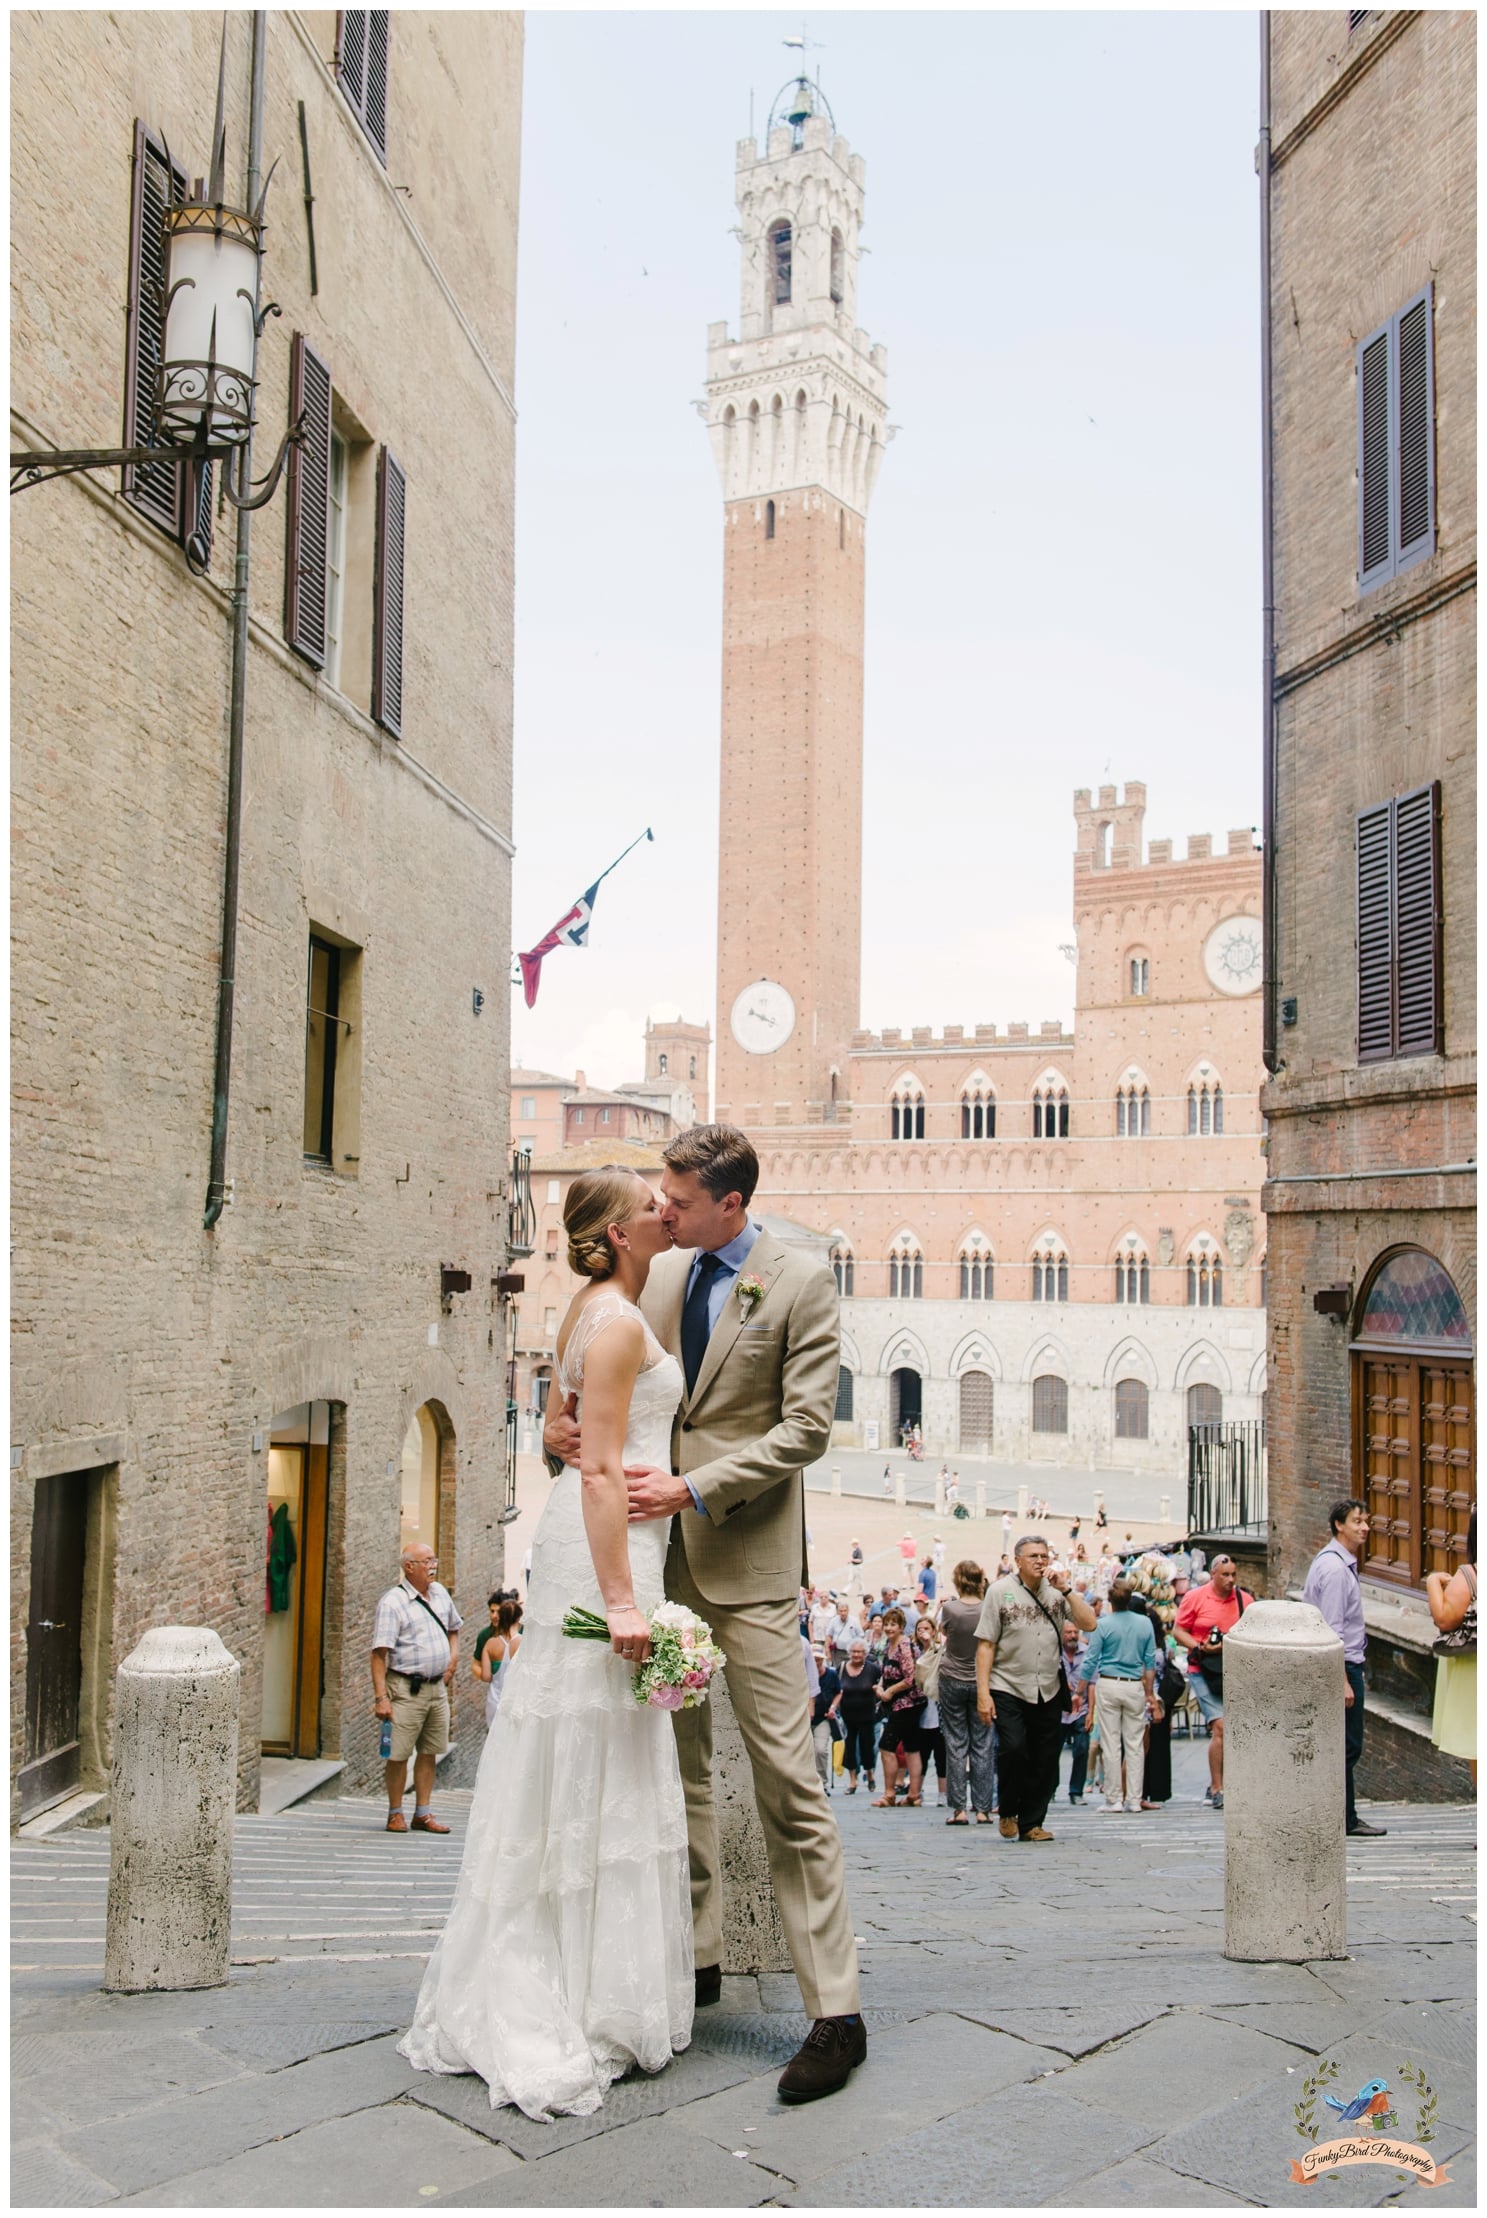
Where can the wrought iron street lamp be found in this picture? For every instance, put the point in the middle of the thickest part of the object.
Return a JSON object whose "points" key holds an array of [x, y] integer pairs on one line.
{"points": [[206, 383]]}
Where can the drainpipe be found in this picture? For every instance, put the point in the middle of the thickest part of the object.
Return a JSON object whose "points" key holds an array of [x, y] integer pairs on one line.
{"points": [[1267, 566], [222, 1077]]}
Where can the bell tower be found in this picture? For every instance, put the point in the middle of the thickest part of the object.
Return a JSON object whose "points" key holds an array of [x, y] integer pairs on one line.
{"points": [[795, 411]]}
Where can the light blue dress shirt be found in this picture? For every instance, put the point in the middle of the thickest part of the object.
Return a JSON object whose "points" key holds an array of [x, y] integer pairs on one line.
{"points": [[1334, 1585], [733, 1257]]}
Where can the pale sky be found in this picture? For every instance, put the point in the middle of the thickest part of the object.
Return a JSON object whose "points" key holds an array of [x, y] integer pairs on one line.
{"points": [[1063, 547]]}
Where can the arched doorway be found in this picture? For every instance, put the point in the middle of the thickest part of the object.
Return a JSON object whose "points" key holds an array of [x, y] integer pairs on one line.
{"points": [[976, 1398], [420, 1481], [1414, 1449], [905, 1403]]}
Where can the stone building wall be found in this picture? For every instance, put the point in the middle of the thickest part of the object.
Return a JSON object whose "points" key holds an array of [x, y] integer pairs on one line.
{"points": [[145, 1347]]}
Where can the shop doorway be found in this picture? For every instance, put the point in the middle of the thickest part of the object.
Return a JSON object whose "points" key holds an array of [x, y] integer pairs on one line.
{"points": [[294, 1580], [54, 1656]]}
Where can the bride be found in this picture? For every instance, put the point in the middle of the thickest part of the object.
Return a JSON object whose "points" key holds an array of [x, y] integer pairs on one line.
{"points": [[567, 1957]]}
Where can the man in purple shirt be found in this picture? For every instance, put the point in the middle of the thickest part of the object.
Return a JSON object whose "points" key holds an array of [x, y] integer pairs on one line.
{"points": [[1334, 1585]]}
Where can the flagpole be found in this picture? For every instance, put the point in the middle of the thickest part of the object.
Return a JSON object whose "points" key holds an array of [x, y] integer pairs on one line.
{"points": [[646, 834]]}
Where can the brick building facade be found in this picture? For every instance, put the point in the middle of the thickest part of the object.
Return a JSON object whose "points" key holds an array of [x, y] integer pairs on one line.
{"points": [[174, 1384], [1049, 1244], [1368, 170]]}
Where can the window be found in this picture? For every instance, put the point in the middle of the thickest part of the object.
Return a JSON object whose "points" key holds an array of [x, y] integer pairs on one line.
{"points": [[842, 1266], [1140, 975], [171, 494], [1399, 927], [1205, 1278], [905, 1269], [529, 1105], [838, 259], [549, 1324], [578, 1116], [976, 1269], [1132, 1111], [1413, 1456], [552, 1246], [842, 1414], [1132, 1405], [1396, 444], [361, 70], [908, 1110], [1050, 1112], [308, 508], [1205, 1108], [1050, 1272], [661, 1066], [554, 1189], [387, 596], [332, 1055], [779, 264], [1205, 1405], [691, 1066], [977, 1111], [1050, 1404], [1132, 1273], [769, 519], [604, 1116], [527, 1142]]}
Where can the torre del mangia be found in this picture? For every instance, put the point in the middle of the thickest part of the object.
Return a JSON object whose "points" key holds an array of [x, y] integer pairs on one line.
{"points": [[1049, 1243]]}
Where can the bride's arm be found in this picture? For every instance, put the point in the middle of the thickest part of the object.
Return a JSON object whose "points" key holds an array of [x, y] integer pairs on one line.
{"points": [[611, 1365]]}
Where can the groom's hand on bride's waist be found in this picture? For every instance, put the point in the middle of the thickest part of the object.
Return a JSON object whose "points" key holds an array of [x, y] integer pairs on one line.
{"points": [[655, 1493], [560, 1432]]}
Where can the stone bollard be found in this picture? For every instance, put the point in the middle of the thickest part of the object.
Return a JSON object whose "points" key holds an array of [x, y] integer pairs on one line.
{"points": [[939, 1497], [899, 1495], [1021, 1507], [171, 1813], [753, 1938], [836, 1482], [981, 1497], [1285, 1894], [1164, 1510]]}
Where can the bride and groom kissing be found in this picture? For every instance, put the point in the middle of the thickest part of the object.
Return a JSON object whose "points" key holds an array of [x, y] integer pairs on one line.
{"points": [[698, 1375]]}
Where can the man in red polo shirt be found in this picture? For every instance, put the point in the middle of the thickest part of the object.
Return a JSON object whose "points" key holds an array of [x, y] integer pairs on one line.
{"points": [[1203, 1618]]}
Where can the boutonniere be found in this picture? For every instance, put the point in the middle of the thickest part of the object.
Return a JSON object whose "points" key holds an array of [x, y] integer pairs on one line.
{"points": [[750, 1295]]}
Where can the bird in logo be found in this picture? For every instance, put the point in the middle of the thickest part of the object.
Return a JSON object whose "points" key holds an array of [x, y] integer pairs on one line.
{"points": [[1371, 2100]]}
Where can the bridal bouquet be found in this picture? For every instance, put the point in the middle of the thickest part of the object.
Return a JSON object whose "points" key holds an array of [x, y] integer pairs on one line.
{"points": [[683, 1656]]}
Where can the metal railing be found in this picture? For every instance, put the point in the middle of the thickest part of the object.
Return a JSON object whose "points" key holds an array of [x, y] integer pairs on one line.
{"points": [[521, 1212], [1227, 1490]]}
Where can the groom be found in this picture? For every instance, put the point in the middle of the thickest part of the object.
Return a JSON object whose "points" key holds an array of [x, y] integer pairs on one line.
{"points": [[754, 1325]]}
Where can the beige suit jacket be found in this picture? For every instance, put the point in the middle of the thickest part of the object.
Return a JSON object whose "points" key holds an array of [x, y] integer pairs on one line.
{"points": [[761, 1411]]}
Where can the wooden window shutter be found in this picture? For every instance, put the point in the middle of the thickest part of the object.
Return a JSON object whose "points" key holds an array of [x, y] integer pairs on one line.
{"points": [[361, 67], [1375, 533], [1375, 933], [199, 506], [387, 598], [1417, 915], [308, 505], [157, 489], [1416, 414]]}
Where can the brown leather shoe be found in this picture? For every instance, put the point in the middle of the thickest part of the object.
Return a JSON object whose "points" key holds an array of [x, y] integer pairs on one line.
{"points": [[832, 2050], [708, 1984], [1038, 1833], [396, 1822], [427, 1825], [1008, 1828]]}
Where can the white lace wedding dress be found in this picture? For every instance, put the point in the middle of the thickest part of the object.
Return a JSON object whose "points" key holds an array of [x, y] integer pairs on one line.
{"points": [[567, 1957]]}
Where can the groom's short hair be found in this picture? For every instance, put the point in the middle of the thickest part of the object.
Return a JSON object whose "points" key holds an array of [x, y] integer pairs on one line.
{"points": [[722, 1157]]}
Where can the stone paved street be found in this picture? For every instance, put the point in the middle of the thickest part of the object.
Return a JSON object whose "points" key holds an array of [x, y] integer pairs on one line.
{"points": [[1048, 2026]]}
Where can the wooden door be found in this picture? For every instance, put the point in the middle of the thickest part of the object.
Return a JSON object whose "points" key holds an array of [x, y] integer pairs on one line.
{"points": [[310, 1645], [54, 1667], [1447, 1476], [1386, 1417]]}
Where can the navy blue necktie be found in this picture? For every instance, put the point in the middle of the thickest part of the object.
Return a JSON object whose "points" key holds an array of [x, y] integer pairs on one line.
{"points": [[695, 1327]]}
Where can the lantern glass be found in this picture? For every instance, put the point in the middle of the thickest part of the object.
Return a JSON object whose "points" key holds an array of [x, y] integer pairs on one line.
{"points": [[206, 372]]}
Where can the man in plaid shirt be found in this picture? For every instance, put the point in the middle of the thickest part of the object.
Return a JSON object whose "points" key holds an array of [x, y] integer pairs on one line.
{"points": [[415, 1651]]}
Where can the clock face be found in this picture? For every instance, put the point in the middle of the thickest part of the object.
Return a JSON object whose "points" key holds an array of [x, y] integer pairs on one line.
{"points": [[1233, 955], [763, 1017]]}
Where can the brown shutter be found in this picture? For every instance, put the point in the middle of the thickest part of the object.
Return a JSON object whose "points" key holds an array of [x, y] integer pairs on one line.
{"points": [[387, 597], [1375, 548], [308, 505], [1375, 935], [1417, 921], [374, 113], [157, 489], [351, 55], [1415, 427]]}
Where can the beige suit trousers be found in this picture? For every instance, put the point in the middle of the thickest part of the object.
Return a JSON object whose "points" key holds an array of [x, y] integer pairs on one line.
{"points": [[767, 1686]]}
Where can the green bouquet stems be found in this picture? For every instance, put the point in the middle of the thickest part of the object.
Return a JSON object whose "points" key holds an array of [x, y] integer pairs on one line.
{"points": [[584, 1625]]}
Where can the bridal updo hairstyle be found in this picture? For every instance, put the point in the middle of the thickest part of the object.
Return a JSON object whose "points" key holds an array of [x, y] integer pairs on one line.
{"points": [[596, 1200]]}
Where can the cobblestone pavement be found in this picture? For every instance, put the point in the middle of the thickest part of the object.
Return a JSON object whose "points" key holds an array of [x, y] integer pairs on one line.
{"points": [[1048, 2025]]}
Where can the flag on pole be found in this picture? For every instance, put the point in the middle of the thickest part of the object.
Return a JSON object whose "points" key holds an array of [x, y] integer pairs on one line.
{"points": [[571, 930]]}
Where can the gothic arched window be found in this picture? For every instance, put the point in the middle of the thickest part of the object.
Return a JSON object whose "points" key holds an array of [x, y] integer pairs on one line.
{"points": [[1205, 1108], [1050, 1111], [1132, 1110], [1205, 1275], [975, 1269], [838, 264], [842, 1264], [908, 1110], [1132, 1272], [1050, 1403], [905, 1269], [779, 264], [1132, 1409], [977, 1110], [661, 1066], [1050, 1271], [1138, 979], [769, 519], [1205, 1405]]}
